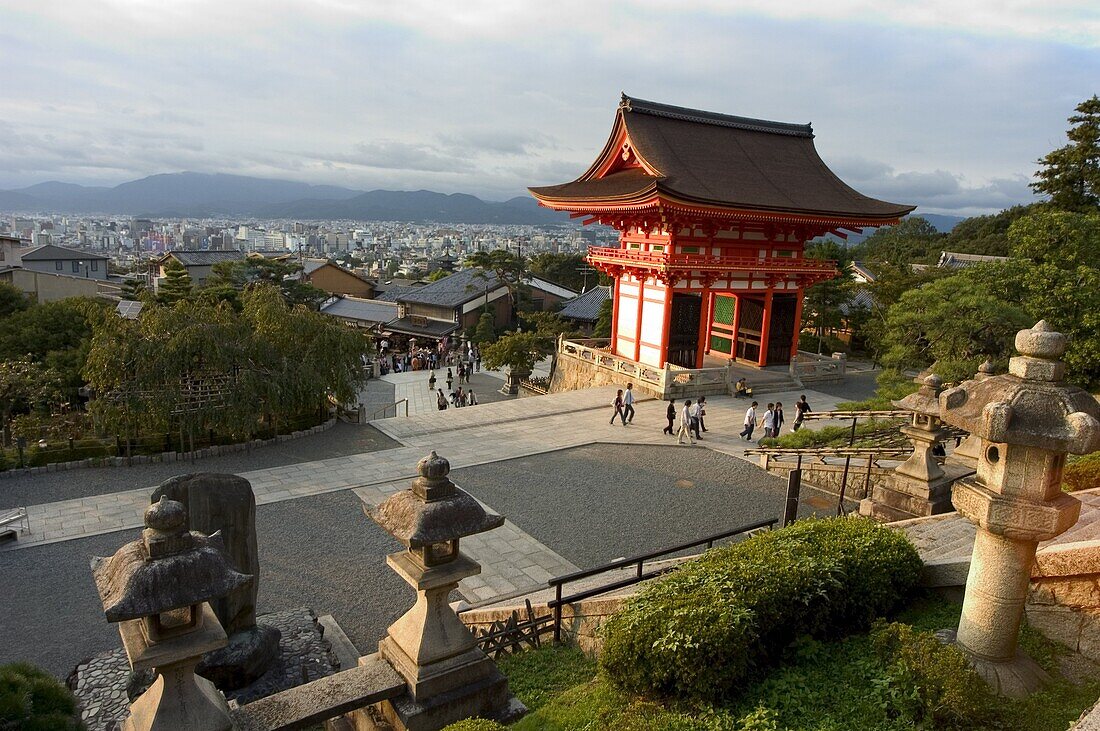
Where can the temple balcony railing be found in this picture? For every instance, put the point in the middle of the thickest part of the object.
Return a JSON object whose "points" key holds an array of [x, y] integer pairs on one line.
{"points": [[667, 262], [671, 381]]}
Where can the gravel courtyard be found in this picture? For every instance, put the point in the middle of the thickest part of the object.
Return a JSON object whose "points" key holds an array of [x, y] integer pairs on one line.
{"points": [[600, 502], [321, 552]]}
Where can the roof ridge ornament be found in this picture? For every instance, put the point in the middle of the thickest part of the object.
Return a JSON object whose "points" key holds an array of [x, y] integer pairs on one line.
{"points": [[687, 114]]}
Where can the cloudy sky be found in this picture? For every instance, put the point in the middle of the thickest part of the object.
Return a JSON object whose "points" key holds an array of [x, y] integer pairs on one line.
{"points": [[942, 103]]}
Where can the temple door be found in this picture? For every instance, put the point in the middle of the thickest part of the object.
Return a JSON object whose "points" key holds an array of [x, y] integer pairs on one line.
{"points": [[683, 334], [781, 330], [750, 324]]}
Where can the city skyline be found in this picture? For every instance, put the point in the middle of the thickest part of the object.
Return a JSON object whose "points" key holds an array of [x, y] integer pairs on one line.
{"points": [[941, 106]]}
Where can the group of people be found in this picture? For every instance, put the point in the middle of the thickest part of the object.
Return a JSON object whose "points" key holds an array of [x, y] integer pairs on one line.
{"points": [[427, 358], [689, 420], [773, 419], [458, 397]]}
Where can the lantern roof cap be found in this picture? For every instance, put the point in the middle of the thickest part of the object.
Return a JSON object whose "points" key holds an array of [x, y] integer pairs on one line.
{"points": [[1030, 405], [433, 509], [925, 401], [168, 568]]}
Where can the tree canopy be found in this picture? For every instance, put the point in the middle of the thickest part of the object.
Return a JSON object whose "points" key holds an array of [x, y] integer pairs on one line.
{"points": [[914, 240], [228, 278], [1070, 175]]}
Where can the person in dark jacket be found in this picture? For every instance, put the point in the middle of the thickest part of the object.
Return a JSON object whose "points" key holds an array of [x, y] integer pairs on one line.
{"points": [[670, 414]]}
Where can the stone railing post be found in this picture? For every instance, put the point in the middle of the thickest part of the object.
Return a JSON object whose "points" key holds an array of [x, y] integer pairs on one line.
{"points": [[1026, 421], [159, 590], [449, 678]]}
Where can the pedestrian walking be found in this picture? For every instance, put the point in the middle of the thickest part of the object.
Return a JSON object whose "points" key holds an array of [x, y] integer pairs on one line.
{"points": [[801, 408], [628, 404], [469, 372], [670, 414], [696, 418], [473, 398], [779, 420], [450, 379], [750, 422], [477, 359], [431, 381], [702, 412], [461, 372], [441, 401], [768, 421], [685, 424], [618, 404]]}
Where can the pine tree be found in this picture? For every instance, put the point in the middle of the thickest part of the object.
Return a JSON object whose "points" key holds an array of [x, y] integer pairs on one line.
{"points": [[176, 285], [1071, 175], [132, 289]]}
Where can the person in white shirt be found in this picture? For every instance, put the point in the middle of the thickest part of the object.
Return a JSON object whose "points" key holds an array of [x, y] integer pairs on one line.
{"points": [[685, 424], [750, 422], [628, 404], [769, 421], [697, 418]]}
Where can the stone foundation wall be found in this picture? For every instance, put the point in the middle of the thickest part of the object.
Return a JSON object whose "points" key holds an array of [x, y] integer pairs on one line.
{"points": [[1064, 600], [572, 374], [828, 477], [580, 622]]}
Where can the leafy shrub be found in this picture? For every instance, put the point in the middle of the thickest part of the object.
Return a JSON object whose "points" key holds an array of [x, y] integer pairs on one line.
{"points": [[475, 724], [930, 681], [703, 631], [32, 700], [829, 436], [1082, 473]]}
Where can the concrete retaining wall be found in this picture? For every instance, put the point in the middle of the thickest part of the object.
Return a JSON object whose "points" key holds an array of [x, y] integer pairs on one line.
{"points": [[828, 477]]}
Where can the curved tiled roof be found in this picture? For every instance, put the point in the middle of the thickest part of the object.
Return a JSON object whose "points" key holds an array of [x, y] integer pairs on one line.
{"points": [[718, 160], [586, 307]]}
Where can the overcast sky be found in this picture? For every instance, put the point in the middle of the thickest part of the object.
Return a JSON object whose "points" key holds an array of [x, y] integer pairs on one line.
{"points": [[945, 104]]}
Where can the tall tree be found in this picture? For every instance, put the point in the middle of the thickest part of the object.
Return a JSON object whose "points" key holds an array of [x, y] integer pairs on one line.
{"points": [[508, 268], [952, 324], [177, 283], [227, 278], [12, 300], [822, 309], [568, 270], [1070, 175], [603, 320], [914, 240], [986, 235]]}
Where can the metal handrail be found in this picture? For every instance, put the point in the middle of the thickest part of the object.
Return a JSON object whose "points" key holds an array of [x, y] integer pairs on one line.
{"points": [[641, 575], [393, 406]]}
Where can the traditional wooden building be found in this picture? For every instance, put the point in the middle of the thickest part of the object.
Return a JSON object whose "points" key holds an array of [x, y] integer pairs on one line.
{"points": [[713, 213]]}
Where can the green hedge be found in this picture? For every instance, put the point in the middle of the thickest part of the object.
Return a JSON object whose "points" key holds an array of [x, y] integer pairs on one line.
{"points": [[720, 620], [31, 700], [1082, 473], [475, 724]]}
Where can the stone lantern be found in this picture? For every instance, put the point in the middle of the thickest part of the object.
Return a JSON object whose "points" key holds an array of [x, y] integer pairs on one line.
{"points": [[449, 678], [918, 486], [158, 589], [970, 449], [1026, 421]]}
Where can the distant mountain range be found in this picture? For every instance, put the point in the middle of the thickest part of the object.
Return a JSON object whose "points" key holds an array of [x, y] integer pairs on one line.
{"points": [[203, 195]]}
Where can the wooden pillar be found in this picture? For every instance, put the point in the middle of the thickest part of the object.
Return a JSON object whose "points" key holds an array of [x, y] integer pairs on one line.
{"points": [[615, 315], [797, 322], [765, 326], [705, 316], [638, 324], [736, 321], [666, 325]]}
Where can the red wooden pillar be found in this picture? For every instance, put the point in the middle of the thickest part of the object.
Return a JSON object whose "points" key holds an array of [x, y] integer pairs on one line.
{"points": [[615, 316], [736, 320], [765, 326], [705, 315], [638, 324], [666, 325], [797, 322]]}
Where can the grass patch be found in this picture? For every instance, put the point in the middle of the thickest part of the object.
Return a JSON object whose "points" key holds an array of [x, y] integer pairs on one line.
{"points": [[819, 686], [829, 436]]}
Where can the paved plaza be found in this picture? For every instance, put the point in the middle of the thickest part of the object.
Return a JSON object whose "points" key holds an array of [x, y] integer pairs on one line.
{"points": [[540, 461]]}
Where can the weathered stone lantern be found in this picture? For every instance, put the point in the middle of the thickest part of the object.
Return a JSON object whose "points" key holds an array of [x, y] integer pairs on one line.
{"points": [[970, 449], [158, 589], [448, 676], [918, 486], [1026, 421]]}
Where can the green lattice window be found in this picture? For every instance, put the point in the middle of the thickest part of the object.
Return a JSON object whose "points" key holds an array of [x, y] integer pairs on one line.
{"points": [[721, 344], [723, 311]]}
